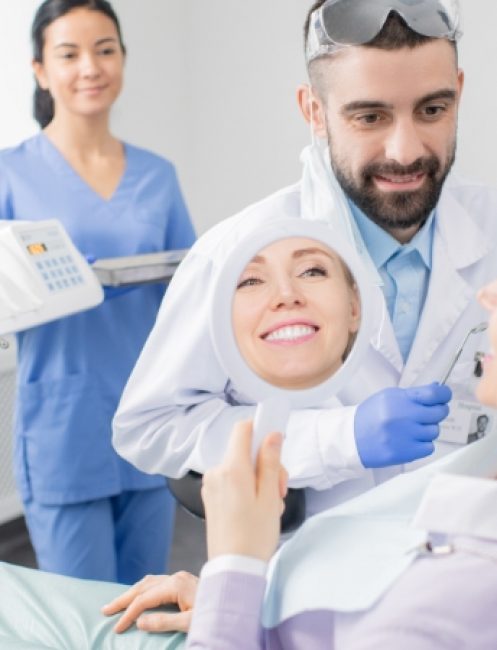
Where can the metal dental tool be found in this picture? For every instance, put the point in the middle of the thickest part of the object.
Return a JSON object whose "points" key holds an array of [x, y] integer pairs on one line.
{"points": [[475, 330]]}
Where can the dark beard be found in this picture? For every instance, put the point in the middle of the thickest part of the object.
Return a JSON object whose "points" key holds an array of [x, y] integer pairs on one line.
{"points": [[397, 209]]}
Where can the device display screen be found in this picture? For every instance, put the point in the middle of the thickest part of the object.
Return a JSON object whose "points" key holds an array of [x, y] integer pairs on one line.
{"points": [[37, 249]]}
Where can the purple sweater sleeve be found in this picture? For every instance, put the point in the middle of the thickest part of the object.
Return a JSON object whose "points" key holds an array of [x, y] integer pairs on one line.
{"points": [[438, 604], [227, 613]]}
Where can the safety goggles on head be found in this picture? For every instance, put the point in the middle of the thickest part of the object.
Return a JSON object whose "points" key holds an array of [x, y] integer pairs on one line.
{"points": [[338, 23]]}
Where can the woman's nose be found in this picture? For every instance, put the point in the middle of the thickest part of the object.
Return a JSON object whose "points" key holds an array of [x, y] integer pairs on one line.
{"points": [[287, 295], [89, 66]]}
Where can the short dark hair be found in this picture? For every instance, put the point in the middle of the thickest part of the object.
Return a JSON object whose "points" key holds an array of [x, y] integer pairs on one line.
{"points": [[394, 35], [48, 12]]}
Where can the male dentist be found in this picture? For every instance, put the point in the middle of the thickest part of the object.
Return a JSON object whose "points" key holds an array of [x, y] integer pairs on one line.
{"points": [[383, 103]]}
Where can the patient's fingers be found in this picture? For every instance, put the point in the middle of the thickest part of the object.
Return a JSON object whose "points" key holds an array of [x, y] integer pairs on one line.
{"points": [[153, 597], [178, 589], [159, 622], [122, 601], [240, 443]]}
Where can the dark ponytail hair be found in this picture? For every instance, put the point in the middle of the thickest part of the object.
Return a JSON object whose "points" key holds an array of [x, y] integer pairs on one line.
{"points": [[48, 12]]}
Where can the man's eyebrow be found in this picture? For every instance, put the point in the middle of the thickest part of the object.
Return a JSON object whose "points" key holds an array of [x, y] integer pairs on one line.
{"points": [[445, 93], [363, 104], [371, 105]]}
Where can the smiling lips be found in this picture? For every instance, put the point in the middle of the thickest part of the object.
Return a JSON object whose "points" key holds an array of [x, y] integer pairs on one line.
{"points": [[290, 333], [399, 183], [92, 90]]}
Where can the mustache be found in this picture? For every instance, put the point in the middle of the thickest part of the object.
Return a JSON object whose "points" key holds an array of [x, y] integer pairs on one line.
{"points": [[429, 166]]}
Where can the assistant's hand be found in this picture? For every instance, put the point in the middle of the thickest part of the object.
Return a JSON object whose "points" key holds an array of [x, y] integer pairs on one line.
{"points": [[153, 591], [243, 505], [399, 425]]}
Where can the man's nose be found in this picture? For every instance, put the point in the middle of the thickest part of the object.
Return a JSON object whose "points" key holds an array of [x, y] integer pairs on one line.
{"points": [[404, 143]]}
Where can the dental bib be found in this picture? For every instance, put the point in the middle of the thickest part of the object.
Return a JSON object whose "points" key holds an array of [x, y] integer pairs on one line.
{"points": [[346, 558]]}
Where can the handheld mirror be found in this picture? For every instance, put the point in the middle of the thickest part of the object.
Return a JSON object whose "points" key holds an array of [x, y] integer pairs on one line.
{"points": [[292, 316]]}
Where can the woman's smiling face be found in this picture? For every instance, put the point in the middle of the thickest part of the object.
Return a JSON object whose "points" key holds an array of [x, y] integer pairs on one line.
{"points": [[295, 313], [486, 390]]}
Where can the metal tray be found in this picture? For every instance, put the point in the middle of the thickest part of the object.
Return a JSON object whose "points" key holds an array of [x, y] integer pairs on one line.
{"points": [[138, 269]]}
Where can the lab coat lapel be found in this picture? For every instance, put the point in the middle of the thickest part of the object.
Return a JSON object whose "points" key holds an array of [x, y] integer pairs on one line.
{"points": [[458, 242], [385, 341]]}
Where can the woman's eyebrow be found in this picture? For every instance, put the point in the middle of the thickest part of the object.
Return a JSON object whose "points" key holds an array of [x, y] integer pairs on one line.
{"points": [[258, 259], [108, 39], [101, 41], [312, 251]]}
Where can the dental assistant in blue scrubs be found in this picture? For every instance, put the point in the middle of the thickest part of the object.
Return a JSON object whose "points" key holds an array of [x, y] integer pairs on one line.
{"points": [[90, 514]]}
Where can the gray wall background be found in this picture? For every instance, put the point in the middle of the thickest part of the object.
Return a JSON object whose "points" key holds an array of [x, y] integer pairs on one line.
{"points": [[211, 85]]}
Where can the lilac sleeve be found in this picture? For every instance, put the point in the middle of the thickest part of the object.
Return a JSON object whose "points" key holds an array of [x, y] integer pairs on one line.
{"points": [[227, 613], [438, 604]]}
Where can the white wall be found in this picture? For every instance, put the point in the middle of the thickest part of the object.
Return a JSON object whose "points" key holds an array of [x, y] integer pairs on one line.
{"points": [[211, 85], [16, 80], [214, 89]]}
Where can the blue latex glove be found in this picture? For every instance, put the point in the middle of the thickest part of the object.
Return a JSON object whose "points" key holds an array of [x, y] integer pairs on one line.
{"points": [[110, 292], [399, 425]]}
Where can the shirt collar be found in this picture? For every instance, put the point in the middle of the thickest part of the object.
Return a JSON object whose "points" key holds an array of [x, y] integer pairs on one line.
{"points": [[382, 246], [459, 505]]}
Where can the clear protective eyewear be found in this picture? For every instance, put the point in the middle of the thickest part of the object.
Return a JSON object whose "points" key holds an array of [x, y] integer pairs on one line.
{"points": [[340, 23]]}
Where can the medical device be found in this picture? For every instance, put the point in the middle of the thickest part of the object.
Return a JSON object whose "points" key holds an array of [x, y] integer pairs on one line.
{"points": [[340, 23], [475, 330], [274, 402], [42, 275]]}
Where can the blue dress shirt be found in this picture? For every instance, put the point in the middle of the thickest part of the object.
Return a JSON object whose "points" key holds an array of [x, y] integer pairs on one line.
{"points": [[405, 272]]}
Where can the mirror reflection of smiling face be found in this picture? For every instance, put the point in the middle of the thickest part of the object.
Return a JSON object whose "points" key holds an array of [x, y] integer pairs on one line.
{"points": [[295, 313]]}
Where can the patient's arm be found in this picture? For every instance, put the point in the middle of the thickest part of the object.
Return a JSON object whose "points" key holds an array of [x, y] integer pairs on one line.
{"points": [[155, 591], [243, 504]]}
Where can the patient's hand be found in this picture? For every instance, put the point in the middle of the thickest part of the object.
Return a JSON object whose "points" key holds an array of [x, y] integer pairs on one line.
{"points": [[154, 591], [243, 505]]}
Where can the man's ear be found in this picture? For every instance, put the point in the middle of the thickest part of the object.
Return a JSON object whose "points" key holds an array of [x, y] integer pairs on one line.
{"points": [[39, 72], [460, 84], [312, 109]]}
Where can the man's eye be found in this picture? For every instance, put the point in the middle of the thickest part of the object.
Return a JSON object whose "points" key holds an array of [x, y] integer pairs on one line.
{"points": [[248, 282], [433, 110], [369, 119], [314, 271]]}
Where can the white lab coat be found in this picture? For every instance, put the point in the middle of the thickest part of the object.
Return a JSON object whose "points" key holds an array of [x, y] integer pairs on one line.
{"points": [[178, 407]]}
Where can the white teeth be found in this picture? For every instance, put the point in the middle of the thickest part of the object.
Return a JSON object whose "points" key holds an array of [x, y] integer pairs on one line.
{"points": [[290, 333], [401, 179]]}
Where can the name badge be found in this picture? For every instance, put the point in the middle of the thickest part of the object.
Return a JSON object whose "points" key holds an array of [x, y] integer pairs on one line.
{"points": [[467, 422]]}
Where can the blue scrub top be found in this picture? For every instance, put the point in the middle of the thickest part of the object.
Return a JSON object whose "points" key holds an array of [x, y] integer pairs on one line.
{"points": [[72, 371]]}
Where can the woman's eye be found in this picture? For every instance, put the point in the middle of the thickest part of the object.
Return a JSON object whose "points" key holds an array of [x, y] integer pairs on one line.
{"points": [[68, 55], [107, 51], [313, 272], [248, 282]]}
